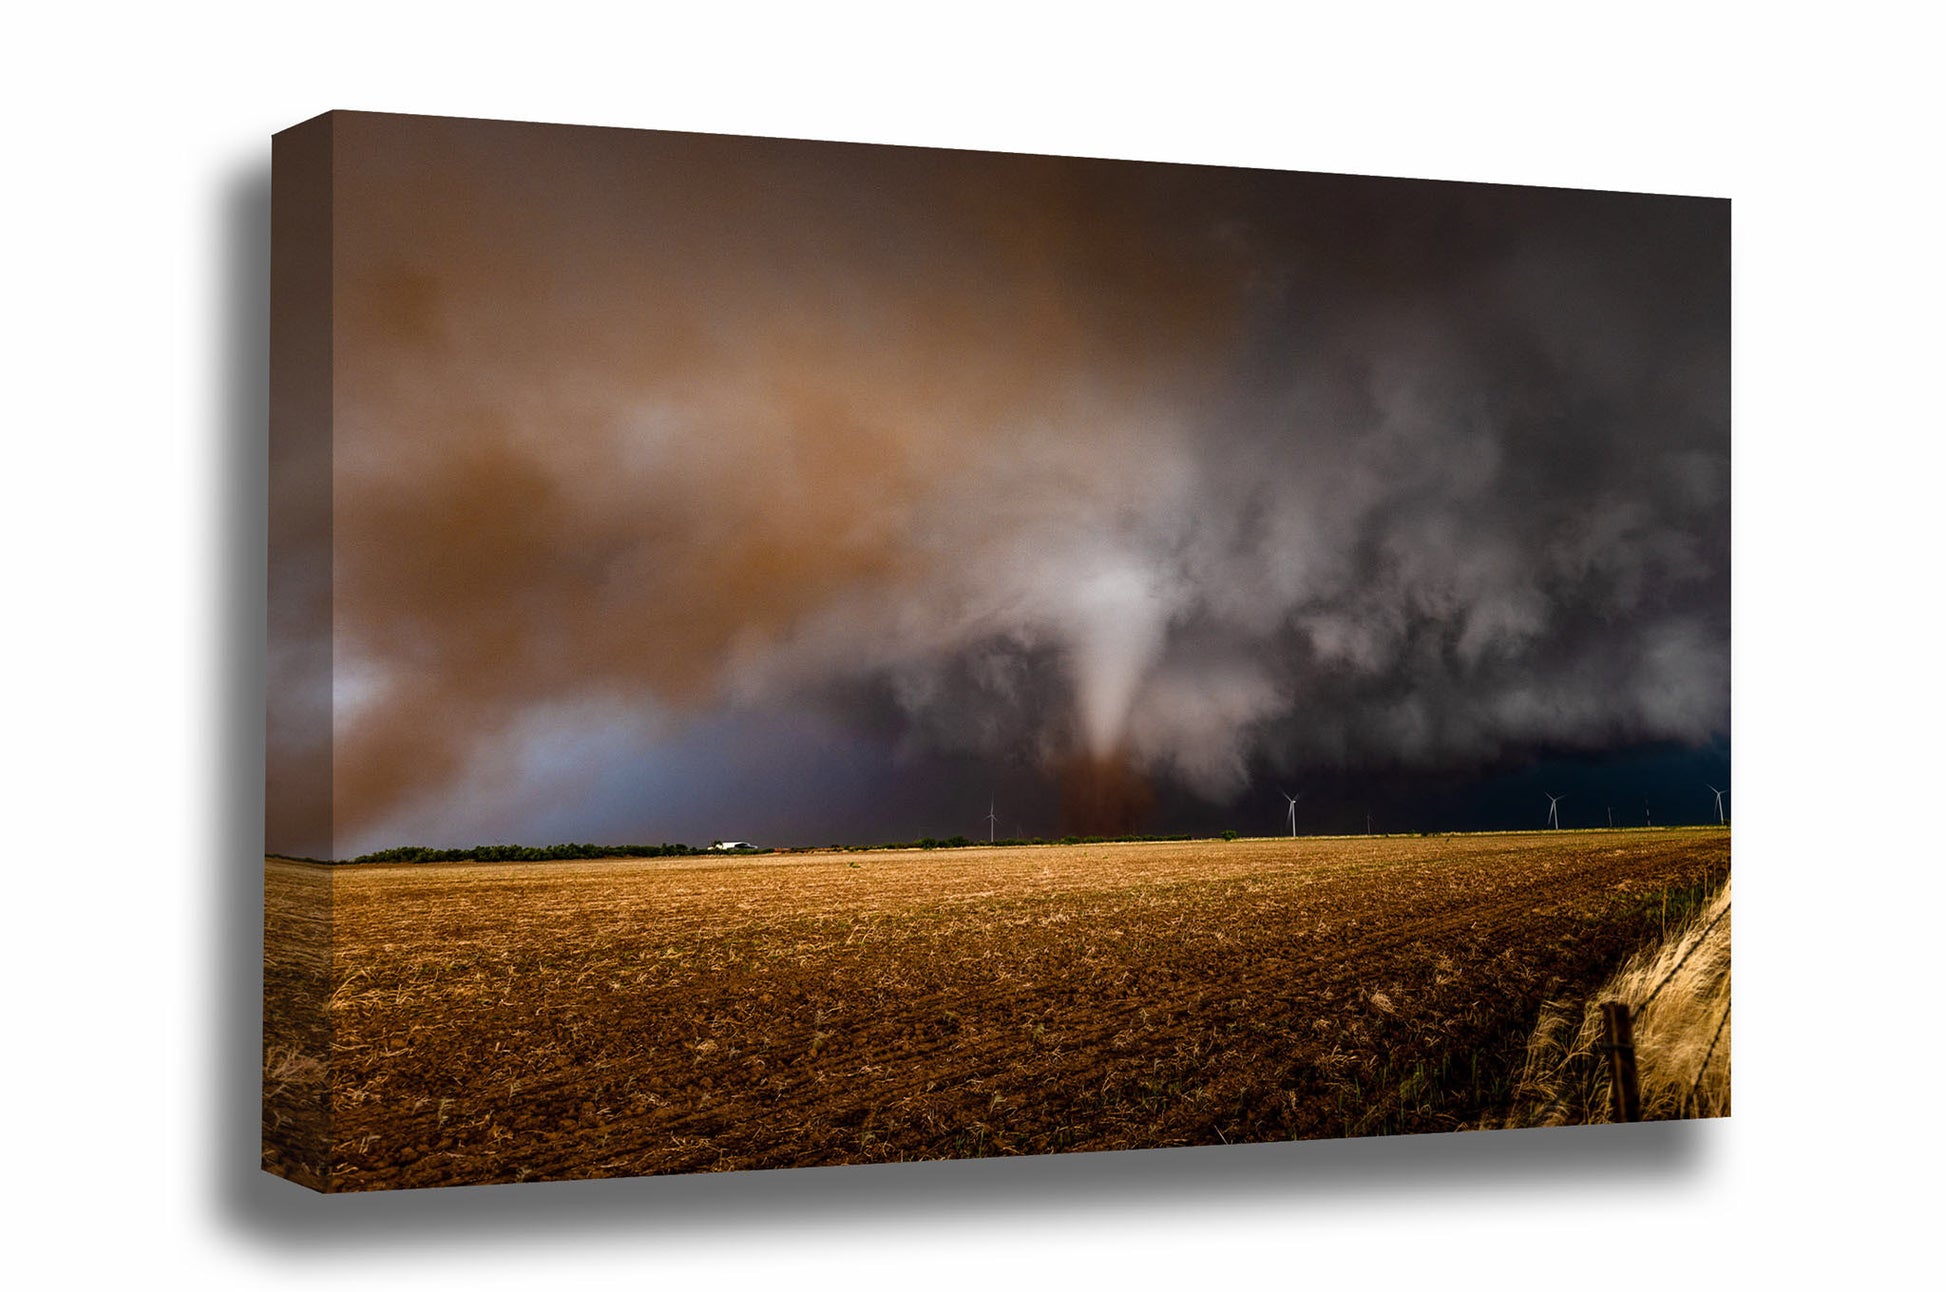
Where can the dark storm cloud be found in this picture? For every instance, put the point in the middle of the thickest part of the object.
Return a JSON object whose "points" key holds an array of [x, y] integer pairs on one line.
{"points": [[1012, 457]]}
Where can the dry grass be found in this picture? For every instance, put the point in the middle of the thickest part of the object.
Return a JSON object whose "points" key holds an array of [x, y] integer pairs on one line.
{"points": [[286, 1066], [297, 1021], [1679, 996], [627, 1017]]}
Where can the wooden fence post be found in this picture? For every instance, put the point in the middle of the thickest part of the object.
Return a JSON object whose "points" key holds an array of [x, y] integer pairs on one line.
{"points": [[1619, 1033]]}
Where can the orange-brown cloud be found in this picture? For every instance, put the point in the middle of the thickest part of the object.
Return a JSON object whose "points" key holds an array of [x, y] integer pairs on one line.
{"points": [[605, 421]]}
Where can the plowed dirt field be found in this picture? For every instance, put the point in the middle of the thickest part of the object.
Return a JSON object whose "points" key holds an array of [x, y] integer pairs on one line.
{"points": [[496, 1022]]}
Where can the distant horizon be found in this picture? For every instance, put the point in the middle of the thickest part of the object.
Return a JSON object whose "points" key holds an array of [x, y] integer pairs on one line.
{"points": [[953, 844], [1499, 805]]}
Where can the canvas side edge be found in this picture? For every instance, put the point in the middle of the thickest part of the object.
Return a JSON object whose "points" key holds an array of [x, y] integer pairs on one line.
{"points": [[298, 838]]}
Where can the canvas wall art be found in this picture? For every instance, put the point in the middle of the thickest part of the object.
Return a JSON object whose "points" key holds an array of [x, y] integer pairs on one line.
{"points": [[789, 654]]}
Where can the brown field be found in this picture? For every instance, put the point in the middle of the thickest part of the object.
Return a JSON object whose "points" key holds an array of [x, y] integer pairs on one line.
{"points": [[554, 1020]]}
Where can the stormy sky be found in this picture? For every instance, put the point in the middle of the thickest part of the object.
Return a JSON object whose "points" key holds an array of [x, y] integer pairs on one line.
{"points": [[689, 487]]}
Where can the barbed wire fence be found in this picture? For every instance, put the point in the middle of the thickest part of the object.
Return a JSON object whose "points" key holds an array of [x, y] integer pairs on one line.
{"points": [[1618, 1038]]}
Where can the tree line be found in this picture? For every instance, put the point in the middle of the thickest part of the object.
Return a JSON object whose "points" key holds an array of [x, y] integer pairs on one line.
{"points": [[521, 852]]}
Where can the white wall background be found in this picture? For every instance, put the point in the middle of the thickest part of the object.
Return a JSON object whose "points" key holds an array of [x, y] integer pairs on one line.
{"points": [[136, 146]]}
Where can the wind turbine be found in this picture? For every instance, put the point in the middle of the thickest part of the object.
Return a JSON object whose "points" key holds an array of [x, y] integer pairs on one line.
{"points": [[1553, 809], [1293, 798], [991, 818], [1719, 800]]}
